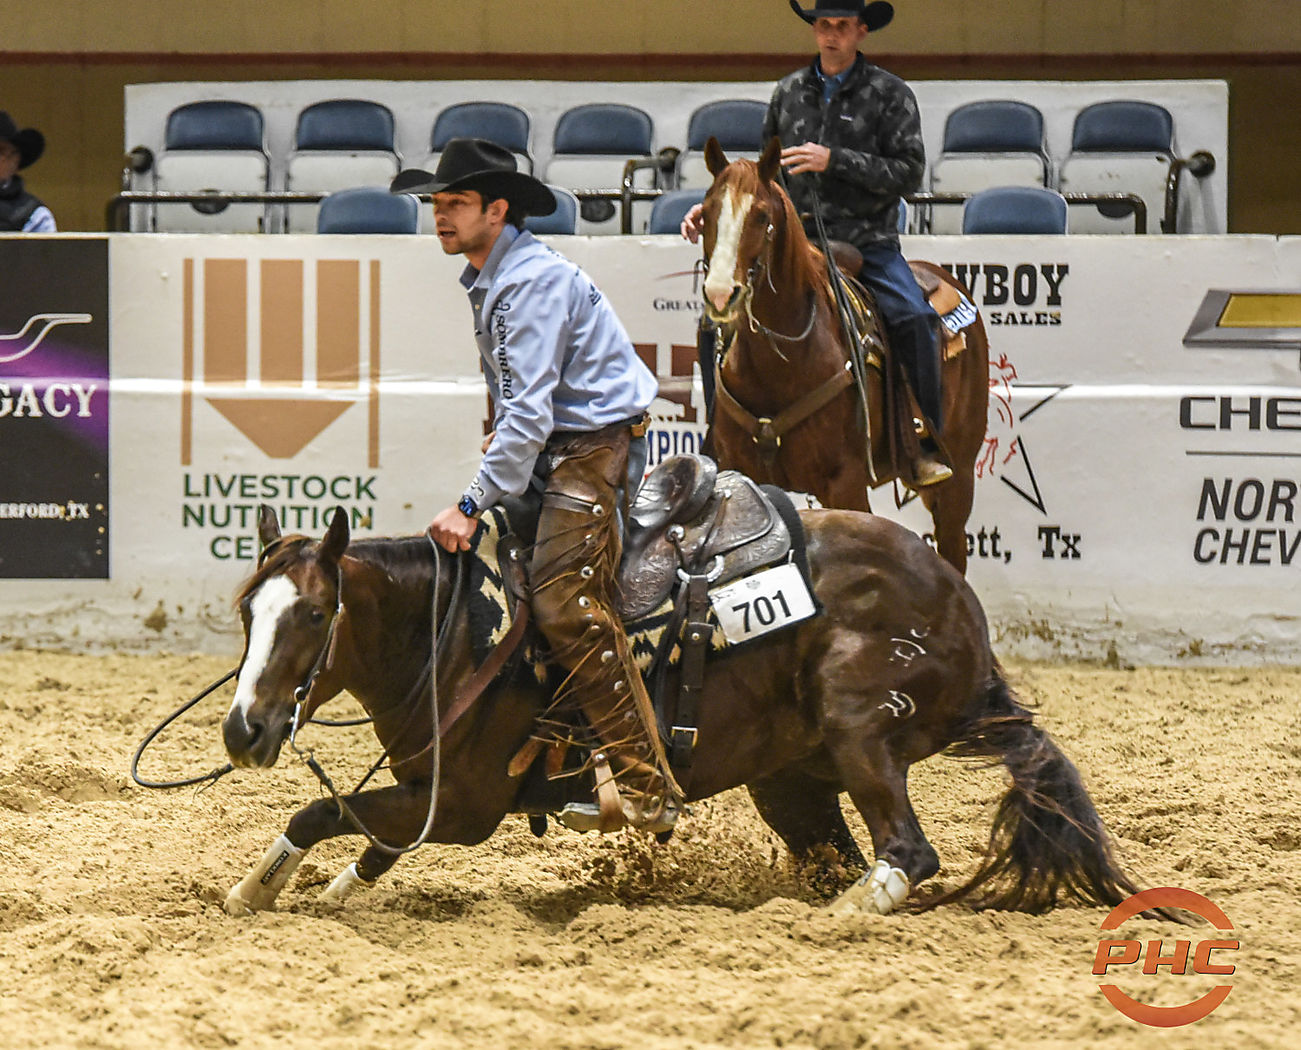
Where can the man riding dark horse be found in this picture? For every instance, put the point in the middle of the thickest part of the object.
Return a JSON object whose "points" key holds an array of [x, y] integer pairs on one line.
{"points": [[571, 396]]}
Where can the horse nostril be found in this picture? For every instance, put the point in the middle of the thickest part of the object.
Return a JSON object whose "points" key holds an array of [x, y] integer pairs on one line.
{"points": [[240, 736]]}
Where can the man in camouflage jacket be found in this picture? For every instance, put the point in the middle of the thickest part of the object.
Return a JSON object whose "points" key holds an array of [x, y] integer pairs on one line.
{"points": [[852, 146]]}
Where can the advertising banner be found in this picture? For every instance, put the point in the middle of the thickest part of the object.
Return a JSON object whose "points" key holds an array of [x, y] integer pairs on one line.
{"points": [[54, 408], [1136, 497]]}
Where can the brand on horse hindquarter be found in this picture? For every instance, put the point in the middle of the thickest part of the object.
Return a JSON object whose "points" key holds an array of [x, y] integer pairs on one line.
{"points": [[897, 669]]}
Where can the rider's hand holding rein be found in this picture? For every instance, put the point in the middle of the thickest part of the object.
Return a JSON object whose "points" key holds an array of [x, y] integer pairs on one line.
{"points": [[693, 222], [811, 156], [453, 530]]}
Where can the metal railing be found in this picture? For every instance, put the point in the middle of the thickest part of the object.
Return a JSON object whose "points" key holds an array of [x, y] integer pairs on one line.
{"points": [[1200, 164], [116, 215], [1128, 201]]}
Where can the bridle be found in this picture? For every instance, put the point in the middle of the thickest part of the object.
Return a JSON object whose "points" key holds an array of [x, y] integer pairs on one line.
{"points": [[762, 268], [325, 658]]}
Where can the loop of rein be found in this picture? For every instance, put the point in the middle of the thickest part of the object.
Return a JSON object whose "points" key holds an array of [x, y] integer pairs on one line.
{"points": [[207, 778], [309, 757]]}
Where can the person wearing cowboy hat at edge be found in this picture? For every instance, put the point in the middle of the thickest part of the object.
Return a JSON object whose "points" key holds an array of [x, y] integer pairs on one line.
{"points": [[20, 212], [852, 142], [570, 397]]}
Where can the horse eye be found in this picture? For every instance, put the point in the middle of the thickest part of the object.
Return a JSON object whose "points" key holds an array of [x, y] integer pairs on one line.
{"points": [[317, 616]]}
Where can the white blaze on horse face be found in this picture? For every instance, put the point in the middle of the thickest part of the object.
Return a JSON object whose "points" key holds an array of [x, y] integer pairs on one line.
{"points": [[272, 600], [722, 265]]}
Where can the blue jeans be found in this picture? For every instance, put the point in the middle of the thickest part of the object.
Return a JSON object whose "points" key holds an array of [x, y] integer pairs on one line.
{"points": [[910, 324]]}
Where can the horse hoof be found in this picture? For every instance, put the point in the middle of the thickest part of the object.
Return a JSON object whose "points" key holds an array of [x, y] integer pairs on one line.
{"points": [[235, 905], [344, 886], [882, 889]]}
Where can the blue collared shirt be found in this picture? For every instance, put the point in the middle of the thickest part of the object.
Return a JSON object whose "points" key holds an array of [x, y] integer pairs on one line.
{"points": [[554, 354], [831, 84]]}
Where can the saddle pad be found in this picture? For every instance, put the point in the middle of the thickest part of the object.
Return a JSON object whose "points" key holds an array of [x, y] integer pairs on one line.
{"points": [[490, 610]]}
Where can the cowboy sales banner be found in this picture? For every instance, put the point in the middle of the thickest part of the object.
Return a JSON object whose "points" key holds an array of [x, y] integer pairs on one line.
{"points": [[54, 408]]}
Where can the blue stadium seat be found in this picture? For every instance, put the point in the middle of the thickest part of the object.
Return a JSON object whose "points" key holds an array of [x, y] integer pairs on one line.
{"points": [[590, 147], [999, 142], [737, 123], [345, 124], [368, 209], [212, 145], [498, 122], [603, 128], [1015, 209], [563, 220], [1123, 146], [214, 125], [1122, 126], [669, 208], [340, 143]]}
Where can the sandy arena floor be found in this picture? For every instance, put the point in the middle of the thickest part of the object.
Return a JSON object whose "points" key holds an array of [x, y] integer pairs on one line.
{"points": [[112, 932]]}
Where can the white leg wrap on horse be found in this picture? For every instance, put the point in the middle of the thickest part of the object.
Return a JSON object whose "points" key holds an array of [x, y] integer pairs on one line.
{"points": [[347, 882], [257, 891], [881, 890]]}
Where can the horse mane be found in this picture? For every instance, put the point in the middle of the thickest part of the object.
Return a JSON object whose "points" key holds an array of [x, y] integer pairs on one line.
{"points": [[808, 264], [408, 559]]}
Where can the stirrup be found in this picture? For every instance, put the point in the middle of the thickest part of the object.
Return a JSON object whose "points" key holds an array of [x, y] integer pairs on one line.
{"points": [[927, 471], [586, 816]]}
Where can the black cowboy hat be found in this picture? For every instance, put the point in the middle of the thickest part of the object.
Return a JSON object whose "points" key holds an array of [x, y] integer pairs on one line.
{"points": [[875, 15], [30, 142], [477, 164]]}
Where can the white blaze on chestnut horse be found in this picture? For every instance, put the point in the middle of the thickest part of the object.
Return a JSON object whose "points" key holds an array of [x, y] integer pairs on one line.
{"points": [[787, 408]]}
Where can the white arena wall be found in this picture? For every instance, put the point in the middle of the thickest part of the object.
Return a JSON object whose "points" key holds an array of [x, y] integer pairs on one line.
{"points": [[1140, 500]]}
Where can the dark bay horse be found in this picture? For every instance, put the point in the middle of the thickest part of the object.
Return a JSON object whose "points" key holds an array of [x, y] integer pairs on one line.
{"points": [[787, 362], [897, 668]]}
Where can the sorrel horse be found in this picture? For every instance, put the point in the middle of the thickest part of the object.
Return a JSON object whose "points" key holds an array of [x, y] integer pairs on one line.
{"points": [[897, 669], [786, 363]]}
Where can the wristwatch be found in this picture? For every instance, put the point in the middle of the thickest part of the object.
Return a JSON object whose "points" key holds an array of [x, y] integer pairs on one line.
{"points": [[468, 507]]}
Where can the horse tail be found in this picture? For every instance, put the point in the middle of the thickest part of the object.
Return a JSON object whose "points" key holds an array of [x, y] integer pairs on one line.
{"points": [[1047, 840]]}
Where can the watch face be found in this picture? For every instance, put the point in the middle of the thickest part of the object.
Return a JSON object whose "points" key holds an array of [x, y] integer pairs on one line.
{"points": [[467, 507]]}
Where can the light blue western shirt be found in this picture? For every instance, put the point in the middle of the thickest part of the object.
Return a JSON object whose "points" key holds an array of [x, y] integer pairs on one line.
{"points": [[554, 354]]}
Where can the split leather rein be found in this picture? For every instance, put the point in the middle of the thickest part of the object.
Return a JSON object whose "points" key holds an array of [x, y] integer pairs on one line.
{"points": [[464, 699]]}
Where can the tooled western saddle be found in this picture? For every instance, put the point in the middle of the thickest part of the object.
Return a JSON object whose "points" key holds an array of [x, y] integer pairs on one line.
{"points": [[690, 527]]}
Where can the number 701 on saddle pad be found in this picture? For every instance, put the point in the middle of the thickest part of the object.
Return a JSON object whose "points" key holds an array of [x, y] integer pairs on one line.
{"points": [[764, 602]]}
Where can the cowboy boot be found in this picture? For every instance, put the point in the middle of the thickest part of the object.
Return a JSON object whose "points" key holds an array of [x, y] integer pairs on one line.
{"points": [[920, 340]]}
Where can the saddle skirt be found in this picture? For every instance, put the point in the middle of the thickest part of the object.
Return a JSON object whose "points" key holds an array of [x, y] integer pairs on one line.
{"points": [[690, 515], [956, 312]]}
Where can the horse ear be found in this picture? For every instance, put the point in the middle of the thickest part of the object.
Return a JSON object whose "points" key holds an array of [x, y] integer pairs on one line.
{"points": [[336, 537], [715, 158], [268, 526], [770, 160]]}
